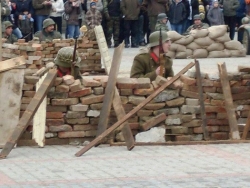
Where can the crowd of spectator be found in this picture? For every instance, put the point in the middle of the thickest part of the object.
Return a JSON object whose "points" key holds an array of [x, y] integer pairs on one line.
{"points": [[128, 20]]}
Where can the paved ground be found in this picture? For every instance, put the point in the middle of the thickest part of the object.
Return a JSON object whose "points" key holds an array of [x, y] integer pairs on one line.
{"points": [[196, 166]]}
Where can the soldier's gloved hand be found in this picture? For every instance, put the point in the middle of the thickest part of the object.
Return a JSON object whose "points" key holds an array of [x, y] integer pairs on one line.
{"points": [[157, 71], [107, 16]]}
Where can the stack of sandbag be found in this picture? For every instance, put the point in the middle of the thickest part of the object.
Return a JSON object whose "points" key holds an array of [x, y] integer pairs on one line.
{"points": [[213, 42]]}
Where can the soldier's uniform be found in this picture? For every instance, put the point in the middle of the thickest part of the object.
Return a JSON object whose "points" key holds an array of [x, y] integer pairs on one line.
{"points": [[146, 63], [160, 25], [64, 59], [43, 35], [194, 26], [10, 39]]}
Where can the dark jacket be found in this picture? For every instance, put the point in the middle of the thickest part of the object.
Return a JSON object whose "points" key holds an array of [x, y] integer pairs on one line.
{"points": [[43, 36], [241, 11], [230, 7], [195, 7], [187, 6], [144, 67], [155, 7], [26, 26], [5, 11], [177, 13], [130, 9], [40, 9], [215, 16], [73, 13], [112, 7], [21, 5]]}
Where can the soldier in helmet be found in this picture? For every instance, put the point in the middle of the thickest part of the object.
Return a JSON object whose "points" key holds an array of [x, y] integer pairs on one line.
{"points": [[198, 24], [7, 35], [64, 63], [161, 22], [146, 64], [48, 32]]}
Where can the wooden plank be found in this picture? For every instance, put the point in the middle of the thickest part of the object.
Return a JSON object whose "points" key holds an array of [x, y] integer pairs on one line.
{"points": [[12, 63], [246, 128], [39, 120], [228, 101], [11, 84], [29, 113], [109, 90], [132, 112], [201, 99], [153, 121]]}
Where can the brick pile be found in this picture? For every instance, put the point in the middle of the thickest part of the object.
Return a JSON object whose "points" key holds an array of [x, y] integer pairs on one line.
{"points": [[73, 109], [38, 54]]}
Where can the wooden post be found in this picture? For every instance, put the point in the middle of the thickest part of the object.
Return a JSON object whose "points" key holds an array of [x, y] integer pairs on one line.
{"points": [[132, 112], [246, 128], [29, 113], [228, 101], [201, 97]]}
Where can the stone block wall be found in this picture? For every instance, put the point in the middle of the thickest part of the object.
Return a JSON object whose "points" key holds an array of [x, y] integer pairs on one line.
{"points": [[73, 109]]}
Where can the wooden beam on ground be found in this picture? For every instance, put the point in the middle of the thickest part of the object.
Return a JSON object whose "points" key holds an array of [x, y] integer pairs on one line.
{"points": [[228, 101], [117, 103], [153, 121], [29, 113], [12, 63], [132, 112], [201, 98], [246, 128]]}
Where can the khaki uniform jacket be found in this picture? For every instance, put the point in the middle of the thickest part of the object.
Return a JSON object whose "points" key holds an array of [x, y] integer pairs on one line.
{"points": [[10, 39], [144, 67], [43, 36], [130, 9], [161, 26], [41, 9], [201, 26]]}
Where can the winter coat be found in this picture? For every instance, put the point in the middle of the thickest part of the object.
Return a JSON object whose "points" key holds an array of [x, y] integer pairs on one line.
{"points": [[93, 18], [112, 8], [20, 5], [195, 7], [130, 9], [59, 7], [215, 16], [73, 13], [177, 13], [99, 5], [241, 11], [25, 26], [230, 7], [40, 9], [5, 11], [44, 36], [155, 7]]}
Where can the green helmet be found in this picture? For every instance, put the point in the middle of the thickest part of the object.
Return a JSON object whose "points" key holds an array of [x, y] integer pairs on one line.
{"points": [[197, 17], [155, 36], [6, 24], [64, 57], [245, 20], [47, 22], [161, 16]]}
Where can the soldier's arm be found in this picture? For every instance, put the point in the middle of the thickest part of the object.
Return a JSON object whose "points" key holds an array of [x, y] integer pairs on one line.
{"points": [[5, 9]]}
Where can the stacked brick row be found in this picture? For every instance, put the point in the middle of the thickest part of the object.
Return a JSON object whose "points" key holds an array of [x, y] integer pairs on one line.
{"points": [[73, 109], [38, 54]]}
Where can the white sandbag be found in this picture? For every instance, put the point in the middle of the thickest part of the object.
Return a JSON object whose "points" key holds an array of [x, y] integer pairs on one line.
{"points": [[217, 31], [200, 53], [224, 38], [193, 46], [189, 53], [181, 55], [219, 54], [201, 33], [181, 48], [173, 47], [238, 53], [185, 40], [171, 54], [233, 45], [215, 47], [173, 35], [206, 41]]}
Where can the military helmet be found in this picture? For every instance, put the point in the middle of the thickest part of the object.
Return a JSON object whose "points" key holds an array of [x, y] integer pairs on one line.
{"points": [[245, 20], [197, 17], [155, 36], [161, 16], [47, 22], [64, 57], [6, 24]]}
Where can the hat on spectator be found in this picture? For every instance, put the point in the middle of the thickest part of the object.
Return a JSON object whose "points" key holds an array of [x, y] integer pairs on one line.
{"points": [[92, 4]]}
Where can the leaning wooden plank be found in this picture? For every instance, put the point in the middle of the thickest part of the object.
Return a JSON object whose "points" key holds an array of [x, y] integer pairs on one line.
{"points": [[11, 84], [29, 113], [246, 128], [201, 97], [12, 63], [153, 121], [244, 68], [132, 112], [109, 90], [228, 101]]}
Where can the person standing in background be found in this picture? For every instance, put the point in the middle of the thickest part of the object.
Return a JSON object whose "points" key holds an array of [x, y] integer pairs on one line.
{"points": [[194, 9], [215, 15], [93, 16], [240, 13], [56, 13]]}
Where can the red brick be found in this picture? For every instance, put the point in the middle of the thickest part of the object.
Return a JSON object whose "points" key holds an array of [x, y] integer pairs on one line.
{"points": [[62, 88], [218, 109], [68, 79], [81, 93], [245, 82], [241, 89], [234, 83], [206, 82], [70, 101], [127, 83], [209, 89], [213, 128], [154, 106], [143, 83], [90, 82], [29, 93], [176, 102], [60, 128], [134, 125], [56, 108], [26, 100], [84, 127], [144, 91], [54, 115], [37, 47], [220, 136], [58, 81], [28, 87], [145, 112], [190, 88], [54, 122], [241, 96], [183, 138], [91, 99], [78, 121], [217, 122], [190, 94], [217, 102], [31, 79], [221, 116], [198, 130], [187, 80], [217, 84], [71, 134]]}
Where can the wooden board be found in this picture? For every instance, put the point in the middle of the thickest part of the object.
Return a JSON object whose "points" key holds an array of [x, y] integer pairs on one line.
{"points": [[12, 63], [29, 113], [39, 121], [11, 84], [228, 101], [246, 128], [132, 112]]}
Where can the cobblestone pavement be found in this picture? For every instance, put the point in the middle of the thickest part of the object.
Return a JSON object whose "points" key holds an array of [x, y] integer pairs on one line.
{"points": [[192, 166]]}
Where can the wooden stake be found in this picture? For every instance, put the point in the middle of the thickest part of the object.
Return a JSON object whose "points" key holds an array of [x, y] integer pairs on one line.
{"points": [[132, 112], [246, 128]]}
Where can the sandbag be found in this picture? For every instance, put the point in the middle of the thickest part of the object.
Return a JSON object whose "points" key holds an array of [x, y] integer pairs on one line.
{"points": [[224, 38], [185, 40], [215, 47], [200, 53], [171, 54], [173, 35], [219, 54], [193, 46], [238, 53], [189, 53], [233, 45], [217, 31], [201, 33], [206, 41], [173, 47], [181, 55], [180, 48]]}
